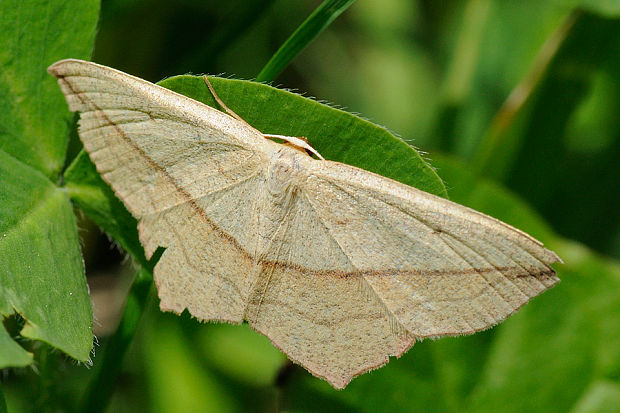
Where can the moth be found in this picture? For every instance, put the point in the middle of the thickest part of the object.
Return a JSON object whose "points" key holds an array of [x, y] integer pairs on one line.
{"points": [[339, 267]]}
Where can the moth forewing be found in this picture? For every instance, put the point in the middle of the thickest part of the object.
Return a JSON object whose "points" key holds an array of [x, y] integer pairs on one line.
{"points": [[341, 268]]}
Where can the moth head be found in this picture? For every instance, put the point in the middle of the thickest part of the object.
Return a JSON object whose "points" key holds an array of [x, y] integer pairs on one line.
{"points": [[298, 143]]}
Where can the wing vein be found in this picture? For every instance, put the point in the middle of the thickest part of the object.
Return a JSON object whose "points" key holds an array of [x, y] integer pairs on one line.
{"points": [[383, 220], [394, 321]]}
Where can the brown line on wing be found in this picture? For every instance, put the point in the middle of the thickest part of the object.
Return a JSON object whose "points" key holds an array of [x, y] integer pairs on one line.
{"points": [[334, 273], [82, 96]]}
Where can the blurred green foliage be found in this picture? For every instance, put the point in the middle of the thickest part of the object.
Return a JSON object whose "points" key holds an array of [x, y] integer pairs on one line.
{"points": [[516, 104]]}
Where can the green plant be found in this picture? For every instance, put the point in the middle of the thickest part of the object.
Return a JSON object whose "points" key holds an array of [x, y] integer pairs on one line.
{"points": [[558, 353]]}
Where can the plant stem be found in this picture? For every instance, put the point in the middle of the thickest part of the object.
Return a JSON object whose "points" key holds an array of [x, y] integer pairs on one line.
{"points": [[100, 389], [3, 408], [320, 18], [488, 160]]}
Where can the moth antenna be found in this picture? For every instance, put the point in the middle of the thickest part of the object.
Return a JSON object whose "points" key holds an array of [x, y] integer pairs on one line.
{"points": [[222, 104], [299, 142]]}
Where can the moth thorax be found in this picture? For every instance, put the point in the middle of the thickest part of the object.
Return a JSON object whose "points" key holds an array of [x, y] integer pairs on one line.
{"points": [[284, 174]]}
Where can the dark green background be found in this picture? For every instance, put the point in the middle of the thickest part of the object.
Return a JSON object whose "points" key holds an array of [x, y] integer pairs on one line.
{"points": [[436, 73]]}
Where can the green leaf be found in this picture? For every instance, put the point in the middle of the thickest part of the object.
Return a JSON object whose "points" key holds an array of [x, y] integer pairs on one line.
{"points": [[327, 12], [97, 199], [11, 353], [42, 274], [33, 35], [336, 134]]}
